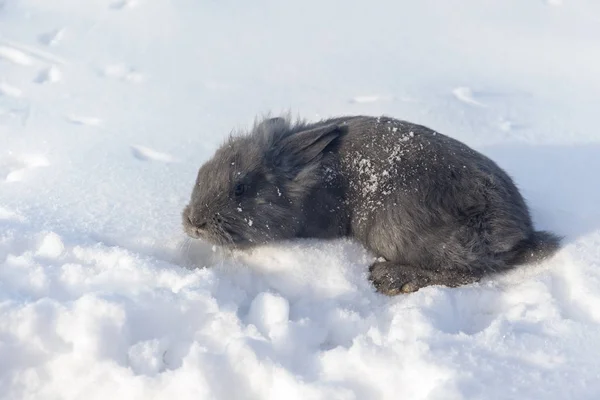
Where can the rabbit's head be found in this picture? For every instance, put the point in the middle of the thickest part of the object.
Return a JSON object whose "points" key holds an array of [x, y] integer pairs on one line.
{"points": [[253, 189]]}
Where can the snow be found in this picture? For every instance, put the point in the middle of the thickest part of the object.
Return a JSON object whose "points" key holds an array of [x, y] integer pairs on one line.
{"points": [[49, 75], [14, 55], [269, 313], [51, 246], [108, 108]]}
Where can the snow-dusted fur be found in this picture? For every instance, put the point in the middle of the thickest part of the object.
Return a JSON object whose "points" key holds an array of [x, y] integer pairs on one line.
{"points": [[436, 210]]}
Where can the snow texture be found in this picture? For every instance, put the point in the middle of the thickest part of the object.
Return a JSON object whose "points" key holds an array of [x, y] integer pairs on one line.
{"points": [[107, 109]]}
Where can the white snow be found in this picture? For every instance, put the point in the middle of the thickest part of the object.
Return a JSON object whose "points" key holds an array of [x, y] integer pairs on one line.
{"points": [[14, 55], [465, 94], [99, 297], [144, 153], [53, 37], [51, 246], [370, 99], [269, 313], [8, 90], [84, 120]]}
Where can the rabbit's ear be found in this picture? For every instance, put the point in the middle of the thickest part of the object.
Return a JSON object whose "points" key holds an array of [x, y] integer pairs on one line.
{"points": [[302, 148]]}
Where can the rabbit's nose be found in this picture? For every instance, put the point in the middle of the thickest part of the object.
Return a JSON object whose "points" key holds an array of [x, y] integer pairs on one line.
{"points": [[197, 222]]}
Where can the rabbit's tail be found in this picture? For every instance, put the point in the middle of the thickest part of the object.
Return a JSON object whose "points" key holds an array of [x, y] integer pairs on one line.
{"points": [[539, 246]]}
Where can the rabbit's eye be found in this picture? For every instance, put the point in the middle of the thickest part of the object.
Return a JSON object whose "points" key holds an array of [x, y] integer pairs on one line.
{"points": [[239, 189]]}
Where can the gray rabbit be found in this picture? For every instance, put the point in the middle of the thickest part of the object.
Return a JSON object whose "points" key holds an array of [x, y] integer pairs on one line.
{"points": [[436, 211]]}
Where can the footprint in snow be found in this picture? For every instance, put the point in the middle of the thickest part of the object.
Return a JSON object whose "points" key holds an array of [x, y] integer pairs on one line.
{"points": [[466, 95], [468, 310], [52, 38], [83, 120], [123, 73], [144, 153], [16, 168], [124, 4], [49, 75]]}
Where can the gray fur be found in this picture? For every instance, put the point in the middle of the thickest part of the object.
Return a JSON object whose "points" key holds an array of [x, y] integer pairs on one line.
{"points": [[436, 210]]}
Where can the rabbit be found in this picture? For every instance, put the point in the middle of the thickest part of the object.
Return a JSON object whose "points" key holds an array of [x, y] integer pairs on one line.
{"points": [[433, 210]]}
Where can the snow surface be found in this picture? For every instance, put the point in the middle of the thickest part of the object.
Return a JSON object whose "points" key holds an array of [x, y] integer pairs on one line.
{"points": [[107, 109]]}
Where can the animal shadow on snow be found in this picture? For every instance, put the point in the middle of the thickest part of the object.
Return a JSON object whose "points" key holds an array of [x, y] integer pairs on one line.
{"points": [[559, 182]]}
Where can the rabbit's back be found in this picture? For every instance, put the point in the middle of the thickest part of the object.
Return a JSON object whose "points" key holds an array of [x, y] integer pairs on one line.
{"points": [[417, 196]]}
